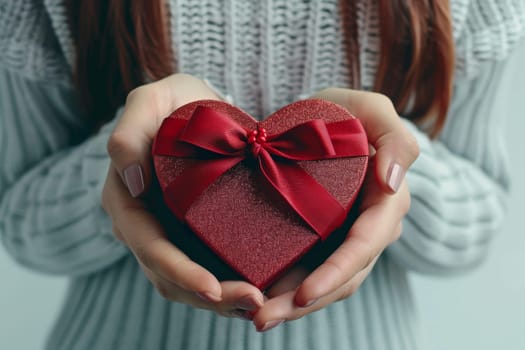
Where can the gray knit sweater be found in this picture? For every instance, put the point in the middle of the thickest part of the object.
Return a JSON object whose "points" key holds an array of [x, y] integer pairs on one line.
{"points": [[264, 54]]}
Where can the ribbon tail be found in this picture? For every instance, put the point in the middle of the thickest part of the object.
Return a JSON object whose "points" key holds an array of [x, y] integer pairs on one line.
{"points": [[182, 192], [318, 208]]}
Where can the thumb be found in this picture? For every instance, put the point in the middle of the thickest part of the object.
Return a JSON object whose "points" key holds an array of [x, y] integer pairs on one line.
{"points": [[130, 143], [395, 147], [129, 146], [396, 150]]}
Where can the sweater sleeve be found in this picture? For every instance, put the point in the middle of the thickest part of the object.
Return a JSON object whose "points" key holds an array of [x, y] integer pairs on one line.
{"points": [[485, 31], [459, 184], [51, 218]]}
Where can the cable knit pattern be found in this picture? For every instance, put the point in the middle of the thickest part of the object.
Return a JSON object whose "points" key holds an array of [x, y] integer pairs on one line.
{"points": [[58, 14], [489, 33], [264, 54], [246, 64], [368, 28], [28, 43]]}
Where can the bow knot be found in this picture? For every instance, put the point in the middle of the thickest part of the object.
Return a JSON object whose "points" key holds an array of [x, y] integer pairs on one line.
{"points": [[256, 139], [209, 131]]}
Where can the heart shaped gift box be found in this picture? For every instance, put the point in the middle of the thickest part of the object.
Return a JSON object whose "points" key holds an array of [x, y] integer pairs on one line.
{"points": [[247, 199]]}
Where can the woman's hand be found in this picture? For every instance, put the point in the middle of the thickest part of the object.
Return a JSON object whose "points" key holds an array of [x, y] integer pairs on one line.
{"points": [[173, 274], [385, 201]]}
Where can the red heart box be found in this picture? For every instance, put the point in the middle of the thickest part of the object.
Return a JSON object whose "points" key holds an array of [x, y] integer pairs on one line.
{"points": [[244, 228]]}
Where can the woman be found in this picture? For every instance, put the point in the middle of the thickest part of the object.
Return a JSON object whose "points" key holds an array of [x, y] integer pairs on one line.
{"points": [[265, 55]]}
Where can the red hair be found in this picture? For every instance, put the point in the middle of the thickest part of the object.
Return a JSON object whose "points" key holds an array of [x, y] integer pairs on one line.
{"points": [[122, 43]]}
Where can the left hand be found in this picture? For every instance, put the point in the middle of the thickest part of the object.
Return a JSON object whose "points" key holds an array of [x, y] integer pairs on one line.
{"points": [[384, 200]]}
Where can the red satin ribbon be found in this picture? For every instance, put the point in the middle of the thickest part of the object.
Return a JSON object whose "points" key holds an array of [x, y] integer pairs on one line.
{"points": [[218, 143]]}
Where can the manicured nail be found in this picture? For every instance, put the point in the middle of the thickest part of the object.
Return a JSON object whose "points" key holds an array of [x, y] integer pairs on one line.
{"points": [[134, 179], [269, 325], [310, 303], [207, 296], [248, 303], [395, 176]]}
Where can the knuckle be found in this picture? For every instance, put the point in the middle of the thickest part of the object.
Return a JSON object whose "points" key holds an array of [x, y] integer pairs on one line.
{"points": [[117, 144], [386, 101], [151, 93], [185, 77], [334, 263], [375, 104], [380, 100], [138, 91]]}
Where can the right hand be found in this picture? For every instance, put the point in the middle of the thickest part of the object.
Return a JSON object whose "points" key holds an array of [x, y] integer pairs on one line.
{"points": [[174, 275]]}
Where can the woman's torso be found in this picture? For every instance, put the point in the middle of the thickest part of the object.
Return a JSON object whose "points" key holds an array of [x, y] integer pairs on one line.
{"points": [[264, 54]]}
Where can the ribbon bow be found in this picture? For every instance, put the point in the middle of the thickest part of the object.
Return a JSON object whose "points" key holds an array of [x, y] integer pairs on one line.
{"points": [[218, 143]]}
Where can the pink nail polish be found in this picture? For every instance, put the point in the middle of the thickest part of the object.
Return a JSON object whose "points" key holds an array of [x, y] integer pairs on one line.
{"points": [[269, 325], [134, 179], [395, 176], [209, 297], [310, 303]]}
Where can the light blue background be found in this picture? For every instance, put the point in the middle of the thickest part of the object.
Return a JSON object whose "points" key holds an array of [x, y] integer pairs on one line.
{"points": [[484, 310]]}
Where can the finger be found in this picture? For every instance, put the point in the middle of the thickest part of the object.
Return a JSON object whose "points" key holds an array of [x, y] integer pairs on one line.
{"points": [[233, 292], [146, 106], [239, 299], [283, 308], [146, 239], [290, 281], [240, 295], [365, 241], [173, 292], [396, 148]]}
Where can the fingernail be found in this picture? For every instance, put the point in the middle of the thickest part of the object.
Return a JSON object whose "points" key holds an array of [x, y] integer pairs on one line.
{"points": [[134, 179], [269, 325], [207, 296], [248, 303], [310, 303], [395, 176]]}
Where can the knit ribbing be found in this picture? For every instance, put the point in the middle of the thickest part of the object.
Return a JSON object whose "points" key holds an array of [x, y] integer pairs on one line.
{"points": [[242, 33], [118, 309]]}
